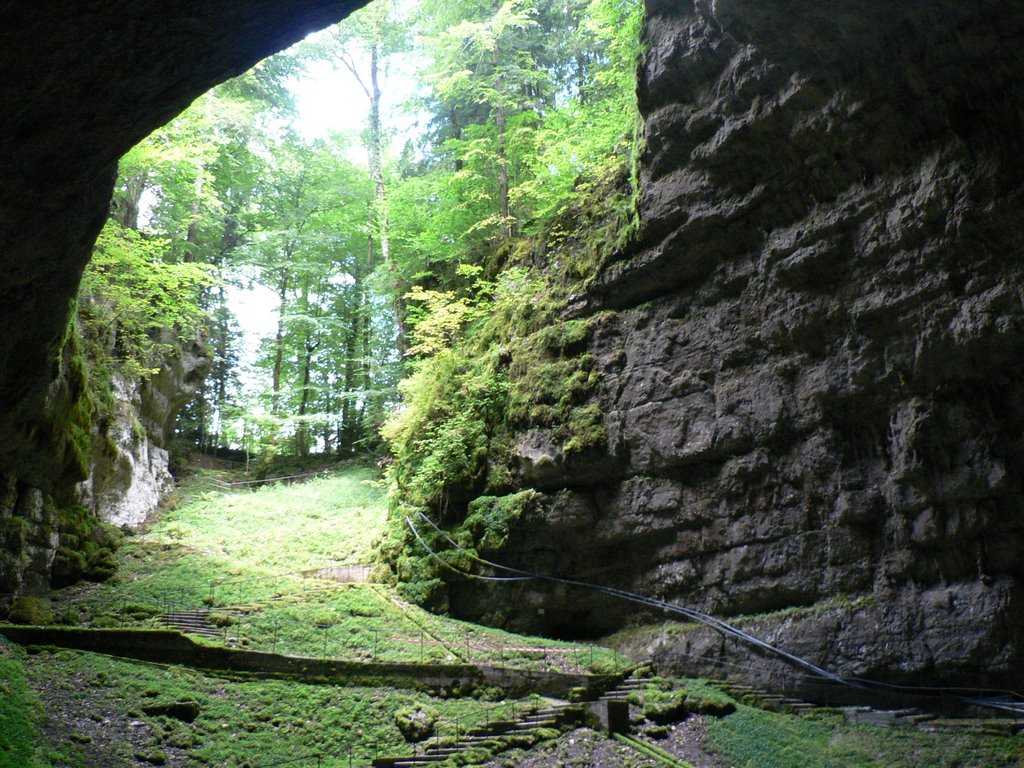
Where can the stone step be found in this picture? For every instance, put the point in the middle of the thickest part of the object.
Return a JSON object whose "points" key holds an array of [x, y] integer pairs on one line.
{"points": [[450, 750]]}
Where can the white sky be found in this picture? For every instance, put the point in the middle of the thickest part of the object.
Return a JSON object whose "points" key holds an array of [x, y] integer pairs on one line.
{"points": [[328, 100]]}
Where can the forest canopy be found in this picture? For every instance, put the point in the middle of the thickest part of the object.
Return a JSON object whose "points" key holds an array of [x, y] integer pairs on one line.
{"points": [[379, 255]]}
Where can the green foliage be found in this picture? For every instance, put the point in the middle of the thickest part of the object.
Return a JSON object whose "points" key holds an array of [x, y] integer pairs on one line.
{"points": [[131, 296], [454, 410], [74, 407], [491, 518]]}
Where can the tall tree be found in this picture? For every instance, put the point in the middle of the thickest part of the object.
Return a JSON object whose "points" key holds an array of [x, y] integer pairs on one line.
{"points": [[364, 45]]}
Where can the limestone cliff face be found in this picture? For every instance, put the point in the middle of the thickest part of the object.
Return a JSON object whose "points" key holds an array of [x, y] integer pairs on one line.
{"points": [[813, 367], [129, 472], [128, 475]]}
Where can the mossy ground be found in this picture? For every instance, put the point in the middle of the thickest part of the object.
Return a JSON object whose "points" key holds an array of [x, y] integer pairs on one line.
{"points": [[743, 736], [244, 551], [96, 707], [20, 713], [753, 737]]}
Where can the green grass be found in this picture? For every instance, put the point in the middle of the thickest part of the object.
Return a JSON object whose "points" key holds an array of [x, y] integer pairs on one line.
{"points": [[20, 711], [250, 545], [750, 737], [218, 547], [754, 738]]}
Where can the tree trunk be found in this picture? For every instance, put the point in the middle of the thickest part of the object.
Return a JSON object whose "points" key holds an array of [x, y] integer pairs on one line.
{"points": [[282, 295]]}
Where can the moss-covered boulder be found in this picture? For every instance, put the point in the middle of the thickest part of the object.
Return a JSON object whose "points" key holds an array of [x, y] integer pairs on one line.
{"points": [[416, 723]]}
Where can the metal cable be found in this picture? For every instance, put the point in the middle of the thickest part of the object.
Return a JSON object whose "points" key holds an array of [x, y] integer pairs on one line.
{"points": [[710, 621]]}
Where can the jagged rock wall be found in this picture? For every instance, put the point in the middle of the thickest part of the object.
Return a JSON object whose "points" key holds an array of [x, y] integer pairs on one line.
{"points": [[28, 534], [128, 475], [813, 366]]}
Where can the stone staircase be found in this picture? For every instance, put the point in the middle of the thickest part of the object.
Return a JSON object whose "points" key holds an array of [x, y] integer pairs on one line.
{"points": [[496, 734], [859, 715], [193, 622], [505, 734], [622, 691], [763, 699]]}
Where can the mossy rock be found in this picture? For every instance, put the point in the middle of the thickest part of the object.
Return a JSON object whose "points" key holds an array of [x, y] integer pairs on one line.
{"points": [[69, 565], [185, 710], [657, 732], [220, 620], [31, 610], [491, 518], [13, 531], [101, 566], [472, 756], [416, 723], [666, 708], [138, 611], [87, 547], [152, 756]]}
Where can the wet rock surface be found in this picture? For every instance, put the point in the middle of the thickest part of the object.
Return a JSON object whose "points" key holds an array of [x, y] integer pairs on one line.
{"points": [[812, 371]]}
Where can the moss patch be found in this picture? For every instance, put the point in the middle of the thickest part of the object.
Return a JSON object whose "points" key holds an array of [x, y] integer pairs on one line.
{"points": [[87, 547]]}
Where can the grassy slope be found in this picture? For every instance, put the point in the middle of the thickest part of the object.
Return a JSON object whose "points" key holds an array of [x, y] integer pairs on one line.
{"points": [[250, 544], [753, 737], [251, 539], [237, 550], [19, 712]]}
